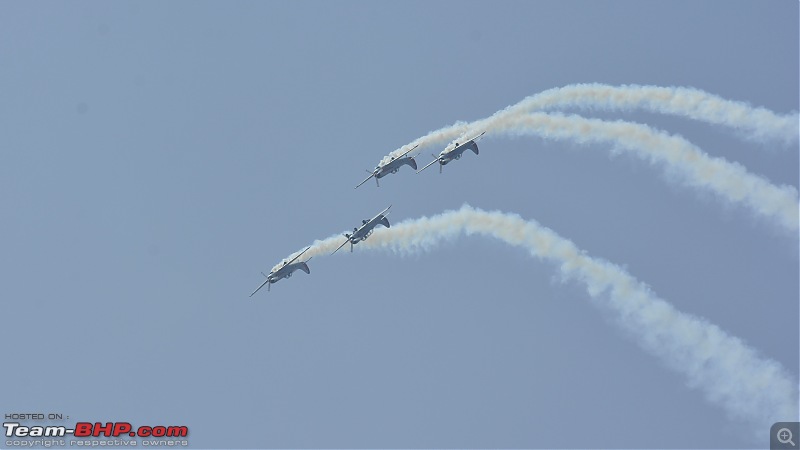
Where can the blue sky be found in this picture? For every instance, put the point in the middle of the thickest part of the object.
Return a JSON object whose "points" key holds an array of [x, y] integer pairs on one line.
{"points": [[157, 156]]}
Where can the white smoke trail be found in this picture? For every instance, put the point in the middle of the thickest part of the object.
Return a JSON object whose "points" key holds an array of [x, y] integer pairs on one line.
{"points": [[730, 181], [730, 373], [757, 123], [760, 123]]}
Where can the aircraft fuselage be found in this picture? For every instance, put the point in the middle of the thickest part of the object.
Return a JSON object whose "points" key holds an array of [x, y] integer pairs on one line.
{"points": [[287, 271], [364, 232], [367, 226], [395, 165], [450, 155]]}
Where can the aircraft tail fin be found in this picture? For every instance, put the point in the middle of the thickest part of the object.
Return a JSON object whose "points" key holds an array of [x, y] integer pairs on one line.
{"points": [[304, 267], [412, 163], [474, 147], [385, 222]]}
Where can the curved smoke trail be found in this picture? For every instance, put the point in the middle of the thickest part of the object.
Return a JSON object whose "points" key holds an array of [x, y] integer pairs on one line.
{"points": [[730, 373], [730, 181], [757, 123]]}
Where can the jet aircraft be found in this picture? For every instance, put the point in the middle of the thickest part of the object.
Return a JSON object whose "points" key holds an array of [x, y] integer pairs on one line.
{"points": [[454, 151], [394, 164], [366, 229], [285, 270]]}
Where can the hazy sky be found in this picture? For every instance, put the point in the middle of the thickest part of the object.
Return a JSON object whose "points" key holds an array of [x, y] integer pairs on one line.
{"points": [[156, 156]]}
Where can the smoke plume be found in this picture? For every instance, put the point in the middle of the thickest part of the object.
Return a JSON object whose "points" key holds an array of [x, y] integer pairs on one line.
{"points": [[730, 373]]}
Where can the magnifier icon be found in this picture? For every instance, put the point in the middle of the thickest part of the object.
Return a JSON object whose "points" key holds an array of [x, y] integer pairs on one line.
{"points": [[784, 436]]}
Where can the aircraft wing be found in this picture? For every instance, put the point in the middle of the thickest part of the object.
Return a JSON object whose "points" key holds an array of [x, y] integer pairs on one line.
{"points": [[367, 179], [429, 164], [285, 263], [382, 213], [473, 139], [298, 255], [262, 285], [291, 260], [467, 141], [340, 247], [377, 217], [408, 151]]}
